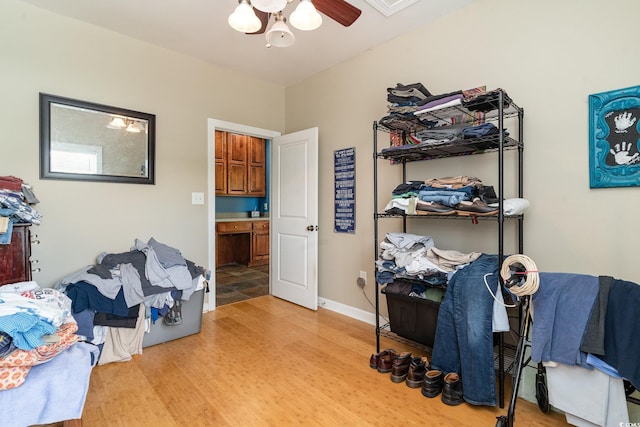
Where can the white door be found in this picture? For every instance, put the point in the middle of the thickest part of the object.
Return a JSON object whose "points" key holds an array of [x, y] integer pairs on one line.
{"points": [[294, 218]]}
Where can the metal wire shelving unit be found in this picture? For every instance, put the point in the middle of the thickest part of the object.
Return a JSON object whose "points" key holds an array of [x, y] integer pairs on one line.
{"points": [[497, 108]]}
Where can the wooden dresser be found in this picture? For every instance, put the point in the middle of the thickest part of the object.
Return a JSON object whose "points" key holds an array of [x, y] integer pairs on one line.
{"points": [[15, 265]]}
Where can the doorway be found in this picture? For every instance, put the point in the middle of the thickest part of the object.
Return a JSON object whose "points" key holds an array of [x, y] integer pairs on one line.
{"points": [[235, 281], [292, 243]]}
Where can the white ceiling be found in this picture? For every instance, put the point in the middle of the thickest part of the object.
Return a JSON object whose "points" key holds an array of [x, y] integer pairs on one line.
{"points": [[199, 28]]}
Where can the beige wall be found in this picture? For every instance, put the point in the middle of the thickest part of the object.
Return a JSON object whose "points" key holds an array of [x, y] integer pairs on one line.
{"points": [[44, 52], [549, 56]]}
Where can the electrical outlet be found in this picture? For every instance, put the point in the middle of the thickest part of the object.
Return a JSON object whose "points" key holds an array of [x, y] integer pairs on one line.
{"points": [[362, 279]]}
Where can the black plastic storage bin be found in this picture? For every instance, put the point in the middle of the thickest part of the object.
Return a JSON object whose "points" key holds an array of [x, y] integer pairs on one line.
{"points": [[413, 317]]}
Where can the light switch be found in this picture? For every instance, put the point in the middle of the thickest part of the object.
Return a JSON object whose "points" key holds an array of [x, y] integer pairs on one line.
{"points": [[197, 198]]}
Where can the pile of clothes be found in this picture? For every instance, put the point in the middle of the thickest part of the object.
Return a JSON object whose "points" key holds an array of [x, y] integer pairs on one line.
{"points": [[116, 300], [417, 118], [415, 258], [16, 198], [461, 195], [408, 105], [35, 325], [44, 367]]}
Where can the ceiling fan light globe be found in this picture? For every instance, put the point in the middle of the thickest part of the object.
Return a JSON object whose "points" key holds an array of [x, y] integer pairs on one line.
{"points": [[279, 35], [244, 19], [269, 6], [305, 17]]}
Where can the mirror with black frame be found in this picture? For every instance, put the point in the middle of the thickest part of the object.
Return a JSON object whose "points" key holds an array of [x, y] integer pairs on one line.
{"points": [[85, 141]]}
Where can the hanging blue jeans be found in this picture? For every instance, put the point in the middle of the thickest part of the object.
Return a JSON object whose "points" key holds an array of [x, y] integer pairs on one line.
{"points": [[464, 338]]}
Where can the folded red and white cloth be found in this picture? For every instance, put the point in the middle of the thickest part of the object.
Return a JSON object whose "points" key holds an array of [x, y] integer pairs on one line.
{"points": [[10, 183]]}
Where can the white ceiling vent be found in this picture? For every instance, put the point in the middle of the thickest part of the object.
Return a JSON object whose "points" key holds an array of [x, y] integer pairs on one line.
{"points": [[390, 7]]}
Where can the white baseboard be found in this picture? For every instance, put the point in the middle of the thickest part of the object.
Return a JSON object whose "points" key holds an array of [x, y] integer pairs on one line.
{"points": [[349, 311]]}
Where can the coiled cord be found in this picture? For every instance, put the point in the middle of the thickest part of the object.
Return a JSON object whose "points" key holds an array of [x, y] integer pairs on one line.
{"points": [[532, 281], [525, 267]]}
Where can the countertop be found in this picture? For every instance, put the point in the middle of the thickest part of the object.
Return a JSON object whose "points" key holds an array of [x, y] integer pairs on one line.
{"points": [[259, 218]]}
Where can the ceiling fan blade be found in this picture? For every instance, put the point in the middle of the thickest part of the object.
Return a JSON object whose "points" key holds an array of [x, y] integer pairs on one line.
{"points": [[264, 18], [338, 10]]}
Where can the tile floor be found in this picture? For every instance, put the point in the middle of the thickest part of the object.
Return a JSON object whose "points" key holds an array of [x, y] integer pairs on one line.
{"points": [[237, 282]]}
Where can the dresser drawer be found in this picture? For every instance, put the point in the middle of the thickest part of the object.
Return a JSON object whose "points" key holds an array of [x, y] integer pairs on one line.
{"points": [[261, 225], [14, 257], [233, 227]]}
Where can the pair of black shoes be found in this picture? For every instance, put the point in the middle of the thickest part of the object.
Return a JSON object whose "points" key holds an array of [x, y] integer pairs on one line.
{"points": [[450, 385]]}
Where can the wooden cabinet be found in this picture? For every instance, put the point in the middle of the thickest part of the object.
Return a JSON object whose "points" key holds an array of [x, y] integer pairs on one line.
{"points": [[240, 162], [242, 242], [237, 164], [14, 257], [260, 243], [221, 162], [257, 168]]}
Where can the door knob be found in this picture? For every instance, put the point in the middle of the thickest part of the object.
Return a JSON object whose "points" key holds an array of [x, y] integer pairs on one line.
{"points": [[310, 228]]}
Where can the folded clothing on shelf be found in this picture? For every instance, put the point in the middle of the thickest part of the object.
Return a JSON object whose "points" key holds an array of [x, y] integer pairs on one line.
{"points": [[413, 92], [484, 101], [514, 206]]}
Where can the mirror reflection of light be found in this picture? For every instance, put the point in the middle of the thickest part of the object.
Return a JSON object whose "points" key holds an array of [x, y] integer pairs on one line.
{"points": [[135, 127], [128, 124], [116, 123]]}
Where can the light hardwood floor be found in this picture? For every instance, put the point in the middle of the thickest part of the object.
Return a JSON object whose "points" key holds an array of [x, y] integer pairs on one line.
{"points": [[267, 362]]}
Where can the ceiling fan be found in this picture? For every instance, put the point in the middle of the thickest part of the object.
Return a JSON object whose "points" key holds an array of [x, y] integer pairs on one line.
{"points": [[253, 16]]}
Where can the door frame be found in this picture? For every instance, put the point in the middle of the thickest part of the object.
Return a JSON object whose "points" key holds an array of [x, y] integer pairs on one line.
{"points": [[212, 126]]}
